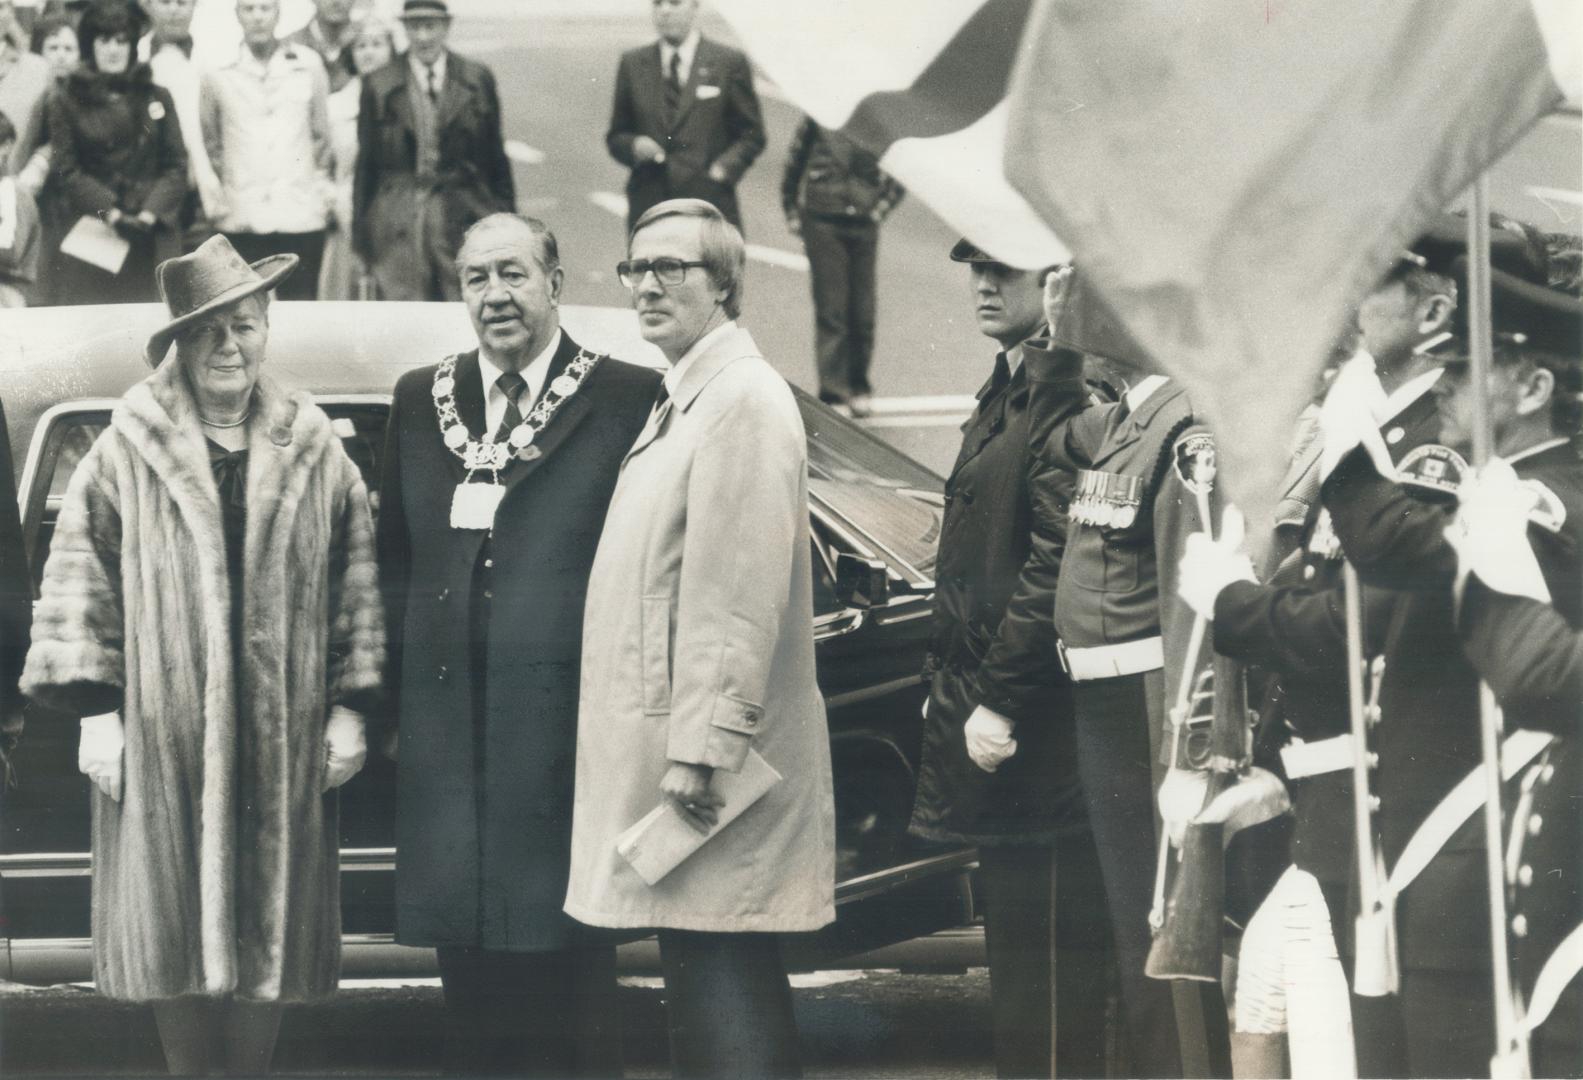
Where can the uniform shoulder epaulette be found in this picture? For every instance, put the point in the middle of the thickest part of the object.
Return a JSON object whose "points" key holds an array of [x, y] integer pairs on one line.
{"points": [[1548, 511]]}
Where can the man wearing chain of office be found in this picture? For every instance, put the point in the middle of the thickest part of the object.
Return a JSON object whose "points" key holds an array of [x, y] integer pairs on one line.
{"points": [[499, 465]]}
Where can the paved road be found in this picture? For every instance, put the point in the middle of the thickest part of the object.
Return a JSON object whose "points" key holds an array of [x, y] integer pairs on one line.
{"points": [[853, 1024]]}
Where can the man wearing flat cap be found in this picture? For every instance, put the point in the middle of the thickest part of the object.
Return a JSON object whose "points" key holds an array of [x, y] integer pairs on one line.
{"points": [[997, 759], [431, 160]]}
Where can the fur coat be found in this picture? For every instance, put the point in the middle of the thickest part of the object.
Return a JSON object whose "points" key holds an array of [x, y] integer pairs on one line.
{"points": [[217, 872]]}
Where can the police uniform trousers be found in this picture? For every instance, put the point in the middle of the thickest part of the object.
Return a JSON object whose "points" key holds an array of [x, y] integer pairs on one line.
{"points": [[1046, 928], [552, 1013], [1118, 757]]}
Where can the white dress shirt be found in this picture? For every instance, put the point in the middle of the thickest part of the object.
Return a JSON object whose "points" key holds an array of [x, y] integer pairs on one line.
{"points": [[686, 50], [420, 73], [495, 400]]}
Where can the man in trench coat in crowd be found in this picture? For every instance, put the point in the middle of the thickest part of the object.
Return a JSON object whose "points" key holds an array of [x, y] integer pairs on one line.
{"points": [[998, 765], [698, 655], [485, 629]]}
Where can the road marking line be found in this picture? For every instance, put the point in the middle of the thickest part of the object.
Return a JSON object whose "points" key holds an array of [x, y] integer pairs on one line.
{"points": [[521, 152], [388, 984], [616, 204], [925, 403], [912, 421]]}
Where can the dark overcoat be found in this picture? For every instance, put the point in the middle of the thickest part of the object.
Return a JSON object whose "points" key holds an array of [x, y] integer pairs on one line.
{"points": [[716, 123], [485, 646], [994, 636], [474, 177]]}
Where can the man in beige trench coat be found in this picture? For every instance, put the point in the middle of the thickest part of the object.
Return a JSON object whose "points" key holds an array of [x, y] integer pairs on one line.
{"points": [[697, 650]]}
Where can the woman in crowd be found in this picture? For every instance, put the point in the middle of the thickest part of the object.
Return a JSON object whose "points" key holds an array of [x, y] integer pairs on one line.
{"points": [[372, 48], [210, 608], [117, 155]]}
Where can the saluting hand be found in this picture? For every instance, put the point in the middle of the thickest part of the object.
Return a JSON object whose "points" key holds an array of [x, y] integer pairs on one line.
{"points": [[687, 786], [1057, 283]]}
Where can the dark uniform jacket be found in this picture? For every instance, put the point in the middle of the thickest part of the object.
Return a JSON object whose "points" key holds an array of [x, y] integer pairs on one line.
{"points": [[1428, 738], [474, 175], [716, 122], [485, 640], [1295, 629], [994, 639], [1118, 580]]}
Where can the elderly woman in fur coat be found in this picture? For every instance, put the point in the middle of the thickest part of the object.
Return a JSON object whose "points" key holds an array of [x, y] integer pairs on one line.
{"points": [[210, 607]]}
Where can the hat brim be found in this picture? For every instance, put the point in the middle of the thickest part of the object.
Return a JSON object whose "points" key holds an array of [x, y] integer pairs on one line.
{"points": [[964, 251], [271, 271], [413, 16]]}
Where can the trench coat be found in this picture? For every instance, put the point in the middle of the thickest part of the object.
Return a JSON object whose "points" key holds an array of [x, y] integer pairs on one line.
{"points": [[485, 640], [218, 871], [697, 647]]}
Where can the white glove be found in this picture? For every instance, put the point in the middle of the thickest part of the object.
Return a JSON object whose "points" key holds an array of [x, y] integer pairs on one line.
{"points": [[1208, 566], [1490, 532], [1347, 417], [345, 746], [989, 740], [1181, 799], [1254, 799], [100, 752]]}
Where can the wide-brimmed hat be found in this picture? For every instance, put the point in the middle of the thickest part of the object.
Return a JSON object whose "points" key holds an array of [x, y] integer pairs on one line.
{"points": [[424, 9], [213, 276]]}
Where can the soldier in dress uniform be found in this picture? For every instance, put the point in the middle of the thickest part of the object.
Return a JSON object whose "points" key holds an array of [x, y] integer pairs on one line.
{"points": [[1294, 628], [1429, 734], [994, 673], [1142, 468], [1532, 658]]}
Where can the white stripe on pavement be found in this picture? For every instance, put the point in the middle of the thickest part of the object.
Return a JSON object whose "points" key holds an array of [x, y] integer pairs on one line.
{"points": [[523, 154], [913, 420], [616, 204], [925, 403]]}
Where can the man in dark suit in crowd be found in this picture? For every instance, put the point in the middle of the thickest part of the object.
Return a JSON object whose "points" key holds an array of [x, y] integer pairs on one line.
{"points": [[329, 33], [431, 160], [686, 118], [485, 547]]}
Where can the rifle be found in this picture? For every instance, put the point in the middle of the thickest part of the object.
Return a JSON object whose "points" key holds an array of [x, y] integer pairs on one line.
{"points": [[1187, 945], [1376, 972]]}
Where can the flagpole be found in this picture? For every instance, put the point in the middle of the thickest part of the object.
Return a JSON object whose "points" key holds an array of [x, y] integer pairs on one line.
{"points": [[1511, 1060]]}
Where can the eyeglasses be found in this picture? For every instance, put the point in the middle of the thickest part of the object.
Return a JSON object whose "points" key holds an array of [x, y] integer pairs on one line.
{"points": [[667, 271]]}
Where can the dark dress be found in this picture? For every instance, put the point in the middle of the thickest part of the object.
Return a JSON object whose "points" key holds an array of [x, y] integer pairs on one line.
{"points": [[116, 143]]}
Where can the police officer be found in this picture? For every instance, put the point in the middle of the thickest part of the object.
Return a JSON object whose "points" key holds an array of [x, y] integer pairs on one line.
{"points": [[997, 757], [1140, 470], [1429, 737]]}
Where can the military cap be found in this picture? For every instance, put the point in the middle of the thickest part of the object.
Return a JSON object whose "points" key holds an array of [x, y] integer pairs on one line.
{"points": [[964, 251], [1531, 317], [1445, 242]]}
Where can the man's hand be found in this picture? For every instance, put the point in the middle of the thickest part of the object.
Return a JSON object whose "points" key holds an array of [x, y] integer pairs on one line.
{"points": [[1490, 532], [345, 746], [1208, 566], [1056, 285], [645, 148], [100, 752], [688, 787], [989, 740]]}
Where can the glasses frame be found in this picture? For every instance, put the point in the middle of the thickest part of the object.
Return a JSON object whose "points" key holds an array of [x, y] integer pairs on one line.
{"points": [[633, 271]]}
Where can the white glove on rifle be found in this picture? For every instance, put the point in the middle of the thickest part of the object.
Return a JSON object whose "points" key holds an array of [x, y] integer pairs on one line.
{"points": [[345, 746], [1208, 566], [989, 740], [1490, 533], [100, 752], [1255, 798]]}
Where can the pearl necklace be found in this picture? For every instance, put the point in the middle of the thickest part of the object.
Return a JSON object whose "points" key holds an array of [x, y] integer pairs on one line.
{"points": [[206, 422]]}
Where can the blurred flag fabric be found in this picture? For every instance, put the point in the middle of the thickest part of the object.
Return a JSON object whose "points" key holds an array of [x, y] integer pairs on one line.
{"points": [[1234, 175], [923, 85]]}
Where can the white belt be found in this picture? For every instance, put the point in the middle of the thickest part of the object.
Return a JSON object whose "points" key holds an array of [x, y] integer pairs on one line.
{"points": [[1110, 661], [1304, 759]]}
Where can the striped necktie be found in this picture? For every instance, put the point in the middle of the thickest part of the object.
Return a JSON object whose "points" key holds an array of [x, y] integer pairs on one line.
{"points": [[512, 385]]}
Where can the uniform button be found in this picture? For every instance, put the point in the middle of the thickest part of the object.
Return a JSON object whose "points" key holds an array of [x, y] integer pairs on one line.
{"points": [[1308, 573], [489, 564], [1535, 824], [445, 594], [750, 717], [1525, 875], [488, 595], [444, 671], [1519, 925]]}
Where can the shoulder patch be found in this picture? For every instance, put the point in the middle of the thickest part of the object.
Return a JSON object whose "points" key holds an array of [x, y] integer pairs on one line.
{"points": [[1548, 511], [1432, 467], [1193, 457]]}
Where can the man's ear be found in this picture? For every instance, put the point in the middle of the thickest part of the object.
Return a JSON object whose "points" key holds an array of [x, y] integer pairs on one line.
{"points": [[1535, 391], [1435, 313], [557, 279]]}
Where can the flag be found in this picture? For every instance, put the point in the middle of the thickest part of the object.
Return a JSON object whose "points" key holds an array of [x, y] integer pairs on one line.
{"points": [[1234, 175], [921, 87]]}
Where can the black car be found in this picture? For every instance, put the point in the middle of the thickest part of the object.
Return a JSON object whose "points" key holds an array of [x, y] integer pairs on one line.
{"points": [[875, 524]]}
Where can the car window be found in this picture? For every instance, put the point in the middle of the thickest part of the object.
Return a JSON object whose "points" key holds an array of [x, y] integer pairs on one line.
{"points": [[66, 443], [894, 501]]}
